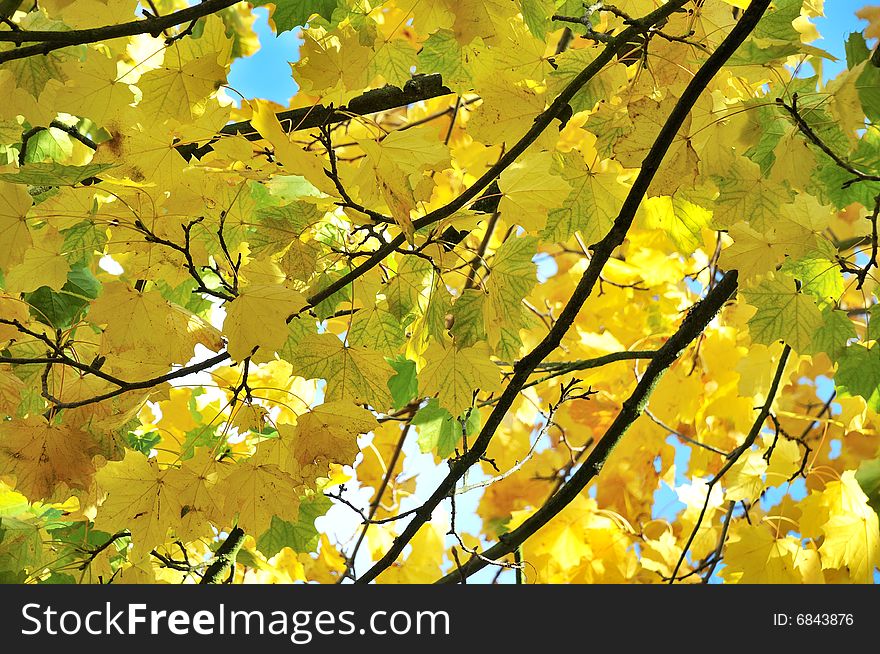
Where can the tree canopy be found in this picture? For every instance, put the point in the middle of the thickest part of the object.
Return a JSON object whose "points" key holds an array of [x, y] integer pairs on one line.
{"points": [[544, 290]]}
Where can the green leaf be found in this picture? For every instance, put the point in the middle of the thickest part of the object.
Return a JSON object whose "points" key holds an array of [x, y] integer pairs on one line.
{"points": [[404, 385], [439, 431], [832, 337], [82, 241], [441, 53], [783, 313], [376, 328], [468, 326], [277, 225], [833, 181], [327, 307], [858, 373], [873, 332], [591, 206], [868, 87], [868, 476], [300, 536], [406, 286], [856, 49], [182, 295], [53, 174], [51, 144], [394, 62], [774, 37], [536, 15], [143, 443], [61, 308], [295, 13], [818, 274], [601, 87], [21, 547]]}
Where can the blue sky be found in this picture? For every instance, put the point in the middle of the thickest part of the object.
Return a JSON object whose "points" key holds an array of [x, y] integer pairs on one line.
{"points": [[266, 74], [835, 27]]}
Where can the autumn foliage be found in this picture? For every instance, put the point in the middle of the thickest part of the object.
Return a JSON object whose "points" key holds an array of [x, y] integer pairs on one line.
{"points": [[551, 293]]}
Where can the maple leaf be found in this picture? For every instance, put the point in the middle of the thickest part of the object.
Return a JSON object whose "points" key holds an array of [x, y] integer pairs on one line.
{"points": [[46, 459], [154, 235], [326, 434], [784, 313], [257, 318], [14, 234], [138, 498], [355, 373], [840, 513], [593, 203], [455, 376], [755, 556], [256, 490], [529, 190]]}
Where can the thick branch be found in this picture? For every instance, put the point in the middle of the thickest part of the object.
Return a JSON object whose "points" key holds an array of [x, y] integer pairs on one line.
{"points": [[53, 40], [692, 326], [224, 559], [418, 89], [140, 385]]}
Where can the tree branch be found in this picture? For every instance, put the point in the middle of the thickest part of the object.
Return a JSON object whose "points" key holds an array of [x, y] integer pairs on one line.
{"points": [[693, 325], [417, 89], [807, 131], [224, 559], [54, 40]]}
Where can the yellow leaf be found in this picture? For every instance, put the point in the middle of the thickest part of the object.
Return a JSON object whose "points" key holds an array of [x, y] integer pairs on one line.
{"points": [[754, 556], [745, 479], [180, 92], [841, 515], [326, 434], [354, 373], [255, 490], [295, 159], [529, 191], [422, 566], [43, 265], [197, 486], [138, 499], [47, 460], [455, 376], [256, 318], [14, 235]]}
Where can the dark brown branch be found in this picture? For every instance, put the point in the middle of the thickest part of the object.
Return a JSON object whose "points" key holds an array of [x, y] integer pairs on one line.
{"points": [[693, 325], [53, 40], [418, 89], [224, 559], [127, 387]]}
